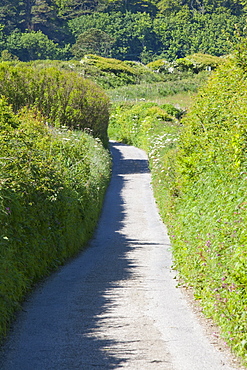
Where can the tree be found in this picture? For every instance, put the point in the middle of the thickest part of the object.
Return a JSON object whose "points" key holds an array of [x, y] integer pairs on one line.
{"points": [[92, 41], [168, 7], [131, 32], [69, 9], [34, 45], [10, 14], [186, 33], [132, 6], [7, 56]]}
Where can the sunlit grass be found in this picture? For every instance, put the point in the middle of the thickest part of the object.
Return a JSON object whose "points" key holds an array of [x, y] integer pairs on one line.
{"points": [[181, 100]]}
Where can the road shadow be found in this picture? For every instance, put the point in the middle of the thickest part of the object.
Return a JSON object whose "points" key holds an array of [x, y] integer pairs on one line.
{"points": [[58, 326]]}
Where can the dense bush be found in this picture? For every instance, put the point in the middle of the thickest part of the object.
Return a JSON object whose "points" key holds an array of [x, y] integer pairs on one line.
{"points": [[188, 32], [138, 124], [130, 32], [198, 62], [52, 184], [209, 227], [64, 98], [34, 45], [106, 72], [111, 73], [194, 63], [199, 178]]}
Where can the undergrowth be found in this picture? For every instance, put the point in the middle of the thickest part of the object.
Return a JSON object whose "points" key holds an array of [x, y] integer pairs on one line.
{"points": [[52, 183], [158, 90], [106, 72], [199, 178], [64, 98]]}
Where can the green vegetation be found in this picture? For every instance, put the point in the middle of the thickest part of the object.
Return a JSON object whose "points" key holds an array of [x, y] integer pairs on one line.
{"points": [[124, 29], [110, 72], [53, 174], [209, 226], [106, 72], [139, 124], [159, 90], [64, 98], [198, 168]]}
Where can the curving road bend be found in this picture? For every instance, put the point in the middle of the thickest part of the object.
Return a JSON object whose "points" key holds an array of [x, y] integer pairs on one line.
{"points": [[116, 305]]}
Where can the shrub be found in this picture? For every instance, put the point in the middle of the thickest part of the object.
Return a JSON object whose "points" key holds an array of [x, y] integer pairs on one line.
{"points": [[112, 72], [64, 98], [137, 124], [198, 62], [161, 66], [52, 184], [199, 178], [208, 214]]}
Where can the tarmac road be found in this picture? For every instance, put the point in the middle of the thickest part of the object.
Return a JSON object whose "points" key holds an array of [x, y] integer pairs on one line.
{"points": [[116, 305]]}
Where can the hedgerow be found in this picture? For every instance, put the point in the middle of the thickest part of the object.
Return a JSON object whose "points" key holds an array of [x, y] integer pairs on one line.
{"points": [[52, 183], [199, 178], [106, 72], [209, 217], [64, 98]]}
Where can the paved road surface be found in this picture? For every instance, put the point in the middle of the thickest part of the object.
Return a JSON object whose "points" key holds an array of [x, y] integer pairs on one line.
{"points": [[115, 306]]}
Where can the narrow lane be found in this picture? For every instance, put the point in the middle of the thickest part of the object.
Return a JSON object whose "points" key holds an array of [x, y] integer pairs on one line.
{"points": [[116, 305]]}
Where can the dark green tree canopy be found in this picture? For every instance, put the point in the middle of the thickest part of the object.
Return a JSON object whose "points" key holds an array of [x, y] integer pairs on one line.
{"points": [[137, 29], [92, 41]]}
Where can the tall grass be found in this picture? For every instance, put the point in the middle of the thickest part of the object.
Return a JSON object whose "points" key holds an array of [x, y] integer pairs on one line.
{"points": [[158, 90]]}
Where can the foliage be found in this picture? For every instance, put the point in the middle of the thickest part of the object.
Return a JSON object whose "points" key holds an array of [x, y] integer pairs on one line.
{"points": [[157, 90], [194, 63], [132, 32], [52, 184], [110, 72], [133, 6], [141, 30], [188, 32], [64, 98], [211, 214], [198, 62], [161, 65], [92, 41], [34, 45], [69, 9], [199, 177], [169, 7], [136, 124], [106, 72], [7, 56], [240, 52], [205, 207]]}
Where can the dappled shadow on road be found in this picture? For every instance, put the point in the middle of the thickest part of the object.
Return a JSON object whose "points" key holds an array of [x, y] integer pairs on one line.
{"points": [[68, 335], [114, 266], [125, 166]]}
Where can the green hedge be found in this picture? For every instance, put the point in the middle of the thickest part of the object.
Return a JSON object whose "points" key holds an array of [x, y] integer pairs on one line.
{"points": [[64, 98], [52, 184], [210, 213], [106, 72], [199, 177]]}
